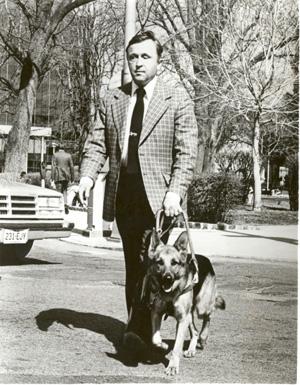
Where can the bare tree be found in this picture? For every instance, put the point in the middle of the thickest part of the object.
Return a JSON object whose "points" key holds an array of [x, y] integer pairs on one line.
{"points": [[234, 57], [261, 38], [194, 30], [29, 36], [89, 52]]}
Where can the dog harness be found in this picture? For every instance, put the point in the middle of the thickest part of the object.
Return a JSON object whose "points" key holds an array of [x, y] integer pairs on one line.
{"points": [[154, 288], [149, 284], [160, 233]]}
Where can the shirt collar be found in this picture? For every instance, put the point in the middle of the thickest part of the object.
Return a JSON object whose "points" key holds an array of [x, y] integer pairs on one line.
{"points": [[149, 88]]}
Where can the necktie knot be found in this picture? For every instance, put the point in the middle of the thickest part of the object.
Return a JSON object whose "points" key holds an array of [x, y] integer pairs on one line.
{"points": [[140, 92]]}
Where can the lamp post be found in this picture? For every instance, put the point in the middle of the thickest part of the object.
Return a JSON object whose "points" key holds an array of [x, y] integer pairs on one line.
{"points": [[130, 19]]}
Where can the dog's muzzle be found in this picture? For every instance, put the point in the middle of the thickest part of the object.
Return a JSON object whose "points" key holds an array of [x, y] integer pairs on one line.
{"points": [[167, 282]]}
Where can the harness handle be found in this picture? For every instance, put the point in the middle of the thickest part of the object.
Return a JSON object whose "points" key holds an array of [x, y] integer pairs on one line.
{"points": [[160, 221], [158, 228]]}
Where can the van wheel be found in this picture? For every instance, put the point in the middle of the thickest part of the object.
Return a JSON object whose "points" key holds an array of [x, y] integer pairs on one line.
{"points": [[15, 250]]}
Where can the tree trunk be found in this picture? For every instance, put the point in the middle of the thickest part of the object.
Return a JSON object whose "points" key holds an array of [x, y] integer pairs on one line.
{"points": [[199, 160], [16, 149], [203, 162], [257, 203], [42, 26]]}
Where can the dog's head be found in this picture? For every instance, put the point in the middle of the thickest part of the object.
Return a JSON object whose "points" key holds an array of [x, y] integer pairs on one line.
{"points": [[169, 263]]}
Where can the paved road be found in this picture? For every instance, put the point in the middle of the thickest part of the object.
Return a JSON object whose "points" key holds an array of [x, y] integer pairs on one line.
{"points": [[63, 312]]}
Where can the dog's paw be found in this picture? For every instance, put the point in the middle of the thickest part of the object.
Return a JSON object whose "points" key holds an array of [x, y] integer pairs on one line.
{"points": [[162, 346], [189, 353], [173, 367], [172, 370]]}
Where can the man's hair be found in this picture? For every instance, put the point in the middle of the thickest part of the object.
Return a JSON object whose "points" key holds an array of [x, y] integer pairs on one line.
{"points": [[146, 35], [60, 147]]}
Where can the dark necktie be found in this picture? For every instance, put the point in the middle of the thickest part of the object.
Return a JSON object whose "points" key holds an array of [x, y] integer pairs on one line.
{"points": [[135, 132]]}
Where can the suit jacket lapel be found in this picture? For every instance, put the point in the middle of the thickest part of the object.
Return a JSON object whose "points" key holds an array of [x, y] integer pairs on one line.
{"points": [[157, 106], [119, 110]]}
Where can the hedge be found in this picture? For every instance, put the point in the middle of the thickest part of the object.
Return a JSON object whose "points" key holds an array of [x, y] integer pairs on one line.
{"points": [[210, 197]]}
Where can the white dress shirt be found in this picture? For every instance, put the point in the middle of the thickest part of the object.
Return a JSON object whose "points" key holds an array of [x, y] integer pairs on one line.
{"points": [[149, 89]]}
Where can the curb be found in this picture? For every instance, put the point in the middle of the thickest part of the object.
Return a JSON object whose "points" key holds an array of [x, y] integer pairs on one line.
{"points": [[192, 225], [217, 226], [100, 243]]}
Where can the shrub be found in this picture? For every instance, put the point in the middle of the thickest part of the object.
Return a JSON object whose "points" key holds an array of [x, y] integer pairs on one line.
{"points": [[35, 178], [210, 197], [239, 163]]}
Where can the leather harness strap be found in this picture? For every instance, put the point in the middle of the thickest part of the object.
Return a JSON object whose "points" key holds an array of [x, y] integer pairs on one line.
{"points": [[160, 232], [147, 285]]}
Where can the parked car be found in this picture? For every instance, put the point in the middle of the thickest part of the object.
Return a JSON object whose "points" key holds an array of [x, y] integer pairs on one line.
{"points": [[28, 213]]}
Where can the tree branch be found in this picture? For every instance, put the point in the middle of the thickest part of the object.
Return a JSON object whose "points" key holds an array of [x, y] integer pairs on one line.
{"points": [[262, 55], [25, 11], [9, 86], [63, 9], [11, 49]]}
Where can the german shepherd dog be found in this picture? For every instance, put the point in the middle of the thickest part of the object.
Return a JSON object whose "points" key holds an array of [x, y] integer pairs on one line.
{"points": [[172, 290]]}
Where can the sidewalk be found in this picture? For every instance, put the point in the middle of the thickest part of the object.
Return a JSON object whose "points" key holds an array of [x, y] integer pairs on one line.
{"points": [[277, 243]]}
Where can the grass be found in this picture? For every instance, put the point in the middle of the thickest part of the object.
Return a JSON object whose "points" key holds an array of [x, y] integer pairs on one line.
{"points": [[275, 211]]}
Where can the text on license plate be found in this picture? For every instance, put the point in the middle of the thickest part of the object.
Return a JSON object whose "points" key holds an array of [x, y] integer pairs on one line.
{"points": [[11, 236]]}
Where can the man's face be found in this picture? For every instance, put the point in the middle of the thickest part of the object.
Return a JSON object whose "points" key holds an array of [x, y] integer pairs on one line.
{"points": [[143, 61]]}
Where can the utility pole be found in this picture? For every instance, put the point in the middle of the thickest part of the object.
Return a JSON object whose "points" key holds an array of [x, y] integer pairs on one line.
{"points": [[130, 20]]}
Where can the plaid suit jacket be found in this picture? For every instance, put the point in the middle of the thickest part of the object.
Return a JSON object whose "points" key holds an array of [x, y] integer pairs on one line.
{"points": [[167, 147]]}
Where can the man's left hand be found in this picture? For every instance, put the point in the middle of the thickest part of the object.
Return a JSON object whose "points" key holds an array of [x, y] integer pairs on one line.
{"points": [[172, 204]]}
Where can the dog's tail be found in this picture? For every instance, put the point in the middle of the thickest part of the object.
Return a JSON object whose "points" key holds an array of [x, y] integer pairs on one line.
{"points": [[220, 303]]}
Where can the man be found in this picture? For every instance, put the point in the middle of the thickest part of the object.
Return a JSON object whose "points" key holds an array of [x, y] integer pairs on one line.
{"points": [[148, 130], [62, 172], [24, 178]]}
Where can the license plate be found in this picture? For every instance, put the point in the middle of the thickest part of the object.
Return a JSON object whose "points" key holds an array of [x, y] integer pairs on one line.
{"points": [[11, 236]]}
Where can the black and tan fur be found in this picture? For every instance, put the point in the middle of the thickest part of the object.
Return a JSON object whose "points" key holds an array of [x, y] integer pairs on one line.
{"points": [[173, 291]]}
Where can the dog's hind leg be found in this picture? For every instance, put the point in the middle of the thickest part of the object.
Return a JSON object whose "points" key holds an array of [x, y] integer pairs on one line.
{"points": [[194, 339], [204, 331]]}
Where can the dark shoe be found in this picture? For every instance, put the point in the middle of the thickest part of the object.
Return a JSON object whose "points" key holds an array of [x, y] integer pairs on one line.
{"points": [[133, 342], [135, 347], [66, 209]]}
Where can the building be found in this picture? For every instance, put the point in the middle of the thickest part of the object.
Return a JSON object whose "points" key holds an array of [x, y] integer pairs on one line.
{"points": [[37, 152]]}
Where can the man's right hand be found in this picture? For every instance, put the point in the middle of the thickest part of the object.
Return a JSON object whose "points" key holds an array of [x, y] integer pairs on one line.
{"points": [[85, 185]]}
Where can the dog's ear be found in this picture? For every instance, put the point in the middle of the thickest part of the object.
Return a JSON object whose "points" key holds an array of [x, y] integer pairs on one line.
{"points": [[181, 243], [154, 242]]}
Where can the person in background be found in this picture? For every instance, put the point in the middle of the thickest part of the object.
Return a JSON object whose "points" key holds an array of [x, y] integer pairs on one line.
{"points": [[62, 172], [148, 130], [24, 178]]}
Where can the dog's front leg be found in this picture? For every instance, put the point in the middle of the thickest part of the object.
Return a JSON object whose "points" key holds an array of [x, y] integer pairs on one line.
{"points": [[194, 339], [156, 324], [182, 326]]}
